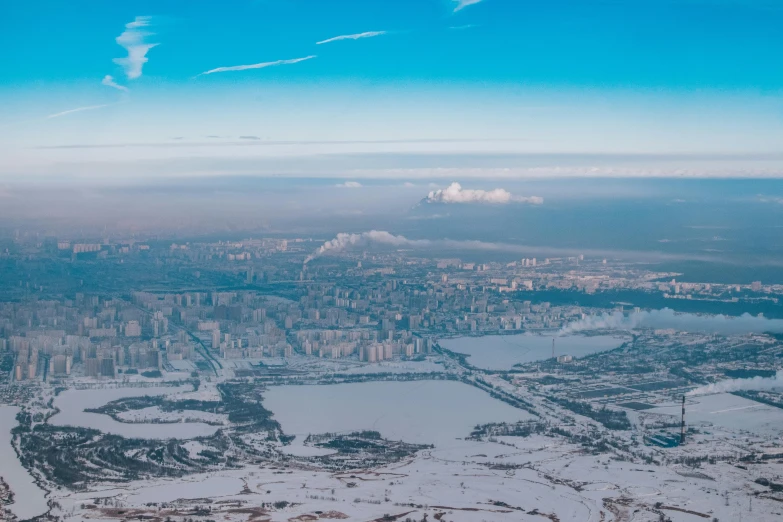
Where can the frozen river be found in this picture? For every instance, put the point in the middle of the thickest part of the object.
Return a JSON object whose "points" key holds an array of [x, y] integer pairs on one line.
{"points": [[72, 404], [502, 352], [29, 499], [425, 412]]}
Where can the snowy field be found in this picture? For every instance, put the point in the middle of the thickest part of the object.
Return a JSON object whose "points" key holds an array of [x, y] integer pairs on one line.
{"points": [[29, 501], [728, 411], [542, 478], [424, 412], [501, 352], [72, 404]]}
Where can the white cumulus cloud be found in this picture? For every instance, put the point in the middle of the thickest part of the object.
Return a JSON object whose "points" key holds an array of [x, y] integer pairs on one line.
{"points": [[108, 81], [454, 193], [366, 34], [133, 39], [257, 65], [349, 184]]}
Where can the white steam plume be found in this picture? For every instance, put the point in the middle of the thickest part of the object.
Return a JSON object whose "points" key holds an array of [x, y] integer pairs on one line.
{"points": [[454, 193], [667, 318], [733, 385], [344, 240]]}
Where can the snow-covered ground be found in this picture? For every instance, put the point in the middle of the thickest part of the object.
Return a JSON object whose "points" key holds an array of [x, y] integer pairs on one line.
{"points": [[728, 411], [515, 479], [154, 413]]}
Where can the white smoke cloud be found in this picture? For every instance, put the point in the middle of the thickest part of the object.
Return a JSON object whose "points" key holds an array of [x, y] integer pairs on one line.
{"points": [[733, 385], [343, 240], [454, 193], [667, 318]]}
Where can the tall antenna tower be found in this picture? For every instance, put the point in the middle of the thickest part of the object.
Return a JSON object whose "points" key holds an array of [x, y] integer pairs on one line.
{"points": [[682, 425]]}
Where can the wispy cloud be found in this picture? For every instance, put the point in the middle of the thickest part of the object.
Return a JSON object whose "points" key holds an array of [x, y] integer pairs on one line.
{"points": [[78, 109], [349, 184], [366, 34], [133, 39], [108, 81], [462, 4], [770, 199], [257, 65]]}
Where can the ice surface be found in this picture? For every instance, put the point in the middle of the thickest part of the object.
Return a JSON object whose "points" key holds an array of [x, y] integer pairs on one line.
{"points": [[29, 499], [72, 404], [501, 352], [427, 412]]}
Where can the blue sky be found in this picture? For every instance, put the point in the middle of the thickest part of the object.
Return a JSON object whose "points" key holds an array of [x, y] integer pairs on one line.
{"points": [[116, 89]]}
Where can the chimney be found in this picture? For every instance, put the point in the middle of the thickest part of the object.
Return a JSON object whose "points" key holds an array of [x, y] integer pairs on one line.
{"points": [[682, 425]]}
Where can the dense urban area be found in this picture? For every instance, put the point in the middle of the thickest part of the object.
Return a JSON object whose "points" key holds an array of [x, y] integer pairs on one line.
{"points": [[274, 379]]}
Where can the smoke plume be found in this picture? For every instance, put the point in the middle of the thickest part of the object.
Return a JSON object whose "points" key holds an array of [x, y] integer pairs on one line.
{"points": [[454, 193], [343, 240], [733, 385], [667, 318]]}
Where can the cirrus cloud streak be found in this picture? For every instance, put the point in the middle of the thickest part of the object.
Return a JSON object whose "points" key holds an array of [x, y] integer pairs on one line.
{"points": [[261, 65], [357, 36]]}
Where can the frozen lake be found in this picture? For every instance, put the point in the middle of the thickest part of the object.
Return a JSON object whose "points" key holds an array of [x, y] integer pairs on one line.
{"points": [[425, 412], [29, 499], [72, 404], [502, 352]]}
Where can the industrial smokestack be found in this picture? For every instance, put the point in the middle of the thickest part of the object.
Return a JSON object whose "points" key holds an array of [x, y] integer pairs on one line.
{"points": [[682, 425]]}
